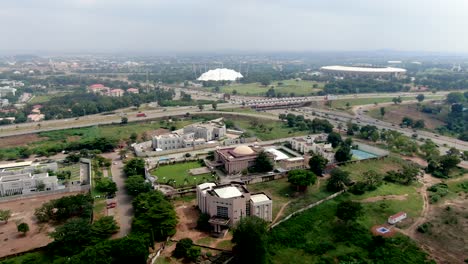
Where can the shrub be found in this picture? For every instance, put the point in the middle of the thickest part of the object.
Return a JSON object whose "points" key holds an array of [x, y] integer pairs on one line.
{"points": [[425, 228]]}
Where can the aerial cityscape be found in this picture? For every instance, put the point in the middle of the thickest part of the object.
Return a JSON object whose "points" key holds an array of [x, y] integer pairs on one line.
{"points": [[253, 132]]}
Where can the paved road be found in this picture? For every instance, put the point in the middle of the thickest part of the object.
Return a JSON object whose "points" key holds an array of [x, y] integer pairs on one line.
{"points": [[124, 201]]}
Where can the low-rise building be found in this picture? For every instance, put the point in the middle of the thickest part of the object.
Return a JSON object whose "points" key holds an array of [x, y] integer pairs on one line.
{"points": [[133, 90], [6, 90], [35, 117], [116, 92], [227, 204], [235, 160], [27, 183], [293, 163], [393, 219]]}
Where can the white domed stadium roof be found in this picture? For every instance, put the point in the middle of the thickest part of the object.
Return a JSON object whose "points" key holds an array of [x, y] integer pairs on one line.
{"points": [[220, 75], [243, 150]]}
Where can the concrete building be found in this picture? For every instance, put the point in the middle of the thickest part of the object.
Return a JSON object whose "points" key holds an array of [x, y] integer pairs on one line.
{"points": [[293, 163], [393, 219], [35, 117], [315, 144], [6, 90], [227, 204], [27, 183], [116, 92], [368, 71], [238, 159], [133, 90], [4, 102], [190, 136]]}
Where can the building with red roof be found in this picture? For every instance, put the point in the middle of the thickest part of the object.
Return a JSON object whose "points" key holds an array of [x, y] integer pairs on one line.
{"points": [[393, 219], [133, 90]]}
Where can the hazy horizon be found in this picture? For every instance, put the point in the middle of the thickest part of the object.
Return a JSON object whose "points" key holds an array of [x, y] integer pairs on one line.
{"points": [[152, 26]]}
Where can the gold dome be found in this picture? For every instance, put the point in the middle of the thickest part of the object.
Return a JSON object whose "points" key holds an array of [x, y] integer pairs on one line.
{"points": [[243, 150]]}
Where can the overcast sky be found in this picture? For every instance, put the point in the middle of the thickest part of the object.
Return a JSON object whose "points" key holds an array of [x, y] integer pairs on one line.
{"points": [[233, 25]]}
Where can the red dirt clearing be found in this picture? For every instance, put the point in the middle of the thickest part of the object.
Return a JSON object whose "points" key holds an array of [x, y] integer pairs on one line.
{"points": [[11, 241]]}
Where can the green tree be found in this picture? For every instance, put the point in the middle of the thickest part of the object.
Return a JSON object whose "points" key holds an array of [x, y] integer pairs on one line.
{"points": [[250, 239], [396, 100], [135, 166], [133, 137], [136, 184], [182, 248], [5, 215], [124, 120], [106, 185], [317, 163], [338, 181], [343, 153], [201, 106], [23, 228], [103, 228], [455, 98], [334, 138], [382, 111], [301, 179], [263, 163], [71, 237], [420, 97], [430, 149], [349, 211], [154, 215], [372, 179], [214, 105]]}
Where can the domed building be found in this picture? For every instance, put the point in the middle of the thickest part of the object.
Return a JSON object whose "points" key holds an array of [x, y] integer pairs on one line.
{"points": [[237, 159], [220, 75]]}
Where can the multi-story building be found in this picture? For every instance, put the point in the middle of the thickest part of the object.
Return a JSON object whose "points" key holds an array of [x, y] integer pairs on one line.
{"points": [[6, 90], [227, 204], [191, 136], [116, 92], [313, 143]]}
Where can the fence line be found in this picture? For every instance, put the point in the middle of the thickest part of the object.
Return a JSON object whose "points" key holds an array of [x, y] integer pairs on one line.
{"points": [[306, 208], [81, 188]]}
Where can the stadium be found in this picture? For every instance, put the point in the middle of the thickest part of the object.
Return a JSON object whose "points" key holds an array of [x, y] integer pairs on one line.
{"points": [[355, 72]]}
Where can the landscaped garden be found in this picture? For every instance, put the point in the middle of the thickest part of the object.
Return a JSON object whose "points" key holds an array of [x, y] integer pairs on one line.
{"points": [[178, 175]]}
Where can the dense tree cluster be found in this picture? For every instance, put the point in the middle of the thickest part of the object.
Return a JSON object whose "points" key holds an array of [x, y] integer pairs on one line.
{"points": [[61, 209], [250, 239], [300, 123], [154, 215], [347, 86]]}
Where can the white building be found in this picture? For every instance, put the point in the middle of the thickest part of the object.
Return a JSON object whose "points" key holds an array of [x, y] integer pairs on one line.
{"points": [[6, 90], [190, 136], [315, 144], [368, 71], [27, 183], [393, 219], [227, 204]]}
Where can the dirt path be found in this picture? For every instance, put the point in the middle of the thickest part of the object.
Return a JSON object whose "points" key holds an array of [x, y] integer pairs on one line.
{"points": [[384, 197], [280, 213]]}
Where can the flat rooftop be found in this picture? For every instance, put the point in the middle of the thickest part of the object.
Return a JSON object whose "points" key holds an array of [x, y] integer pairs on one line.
{"points": [[364, 69], [228, 192], [15, 165], [259, 197]]}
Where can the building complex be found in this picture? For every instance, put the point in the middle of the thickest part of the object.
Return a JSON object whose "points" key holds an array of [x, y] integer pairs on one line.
{"points": [[368, 71], [190, 136]]}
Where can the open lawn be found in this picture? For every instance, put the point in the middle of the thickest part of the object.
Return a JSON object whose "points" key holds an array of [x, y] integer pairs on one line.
{"points": [[178, 175], [287, 88], [74, 169], [261, 128], [282, 192], [341, 103], [38, 99], [381, 166]]}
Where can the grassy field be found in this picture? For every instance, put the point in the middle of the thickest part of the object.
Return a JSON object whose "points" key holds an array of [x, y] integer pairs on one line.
{"points": [[282, 192], [289, 86], [279, 129], [381, 166], [341, 103], [74, 169], [178, 174], [395, 113], [39, 99]]}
